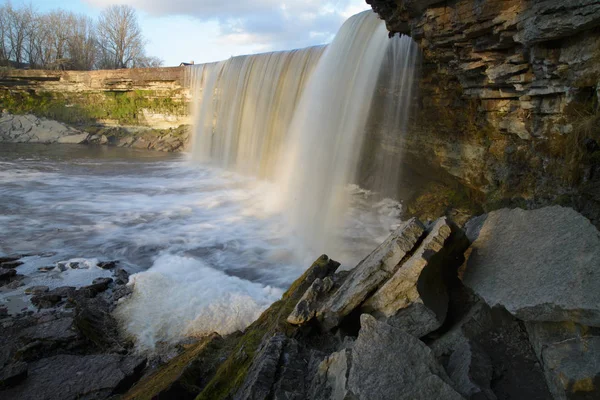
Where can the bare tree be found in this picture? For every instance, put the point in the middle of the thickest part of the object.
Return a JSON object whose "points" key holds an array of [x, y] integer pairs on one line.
{"points": [[120, 37], [83, 43], [19, 26], [148, 62]]}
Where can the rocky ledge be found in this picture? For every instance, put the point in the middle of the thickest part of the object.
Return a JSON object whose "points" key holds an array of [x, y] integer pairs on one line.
{"points": [[31, 129], [506, 309], [508, 98]]}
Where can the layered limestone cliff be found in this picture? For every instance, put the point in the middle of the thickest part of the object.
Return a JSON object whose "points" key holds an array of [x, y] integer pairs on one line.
{"points": [[508, 100]]}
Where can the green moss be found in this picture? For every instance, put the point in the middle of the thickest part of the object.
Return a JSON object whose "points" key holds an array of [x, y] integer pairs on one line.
{"points": [[126, 108]]}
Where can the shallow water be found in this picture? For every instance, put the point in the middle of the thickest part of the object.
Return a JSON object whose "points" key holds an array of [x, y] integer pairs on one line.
{"points": [[207, 243]]}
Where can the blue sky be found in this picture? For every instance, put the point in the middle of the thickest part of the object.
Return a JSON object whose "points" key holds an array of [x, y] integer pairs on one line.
{"points": [[211, 30]]}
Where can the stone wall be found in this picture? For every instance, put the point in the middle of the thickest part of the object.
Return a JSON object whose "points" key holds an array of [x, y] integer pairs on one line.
{"points": [[152, 97], [508, 101]]}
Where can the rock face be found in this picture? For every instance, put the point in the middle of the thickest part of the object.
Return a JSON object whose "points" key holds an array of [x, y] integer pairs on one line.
{"points": [[507, 97], [540, 265]]}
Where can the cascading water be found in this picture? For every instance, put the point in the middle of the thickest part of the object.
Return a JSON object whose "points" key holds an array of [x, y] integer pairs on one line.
{"points": [[244, 106], [299, 118]]}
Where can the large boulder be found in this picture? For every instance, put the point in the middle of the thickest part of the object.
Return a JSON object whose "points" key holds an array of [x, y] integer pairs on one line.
{"points": [[386, 363], [540, 265], [415, 298], [370, 273], [470, 368]]}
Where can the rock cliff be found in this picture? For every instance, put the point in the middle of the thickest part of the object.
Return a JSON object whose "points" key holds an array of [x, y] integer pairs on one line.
{"points": [[508, 100]]}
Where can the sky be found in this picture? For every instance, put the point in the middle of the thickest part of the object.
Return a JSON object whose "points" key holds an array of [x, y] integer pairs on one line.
{"points": [[213, 30]]}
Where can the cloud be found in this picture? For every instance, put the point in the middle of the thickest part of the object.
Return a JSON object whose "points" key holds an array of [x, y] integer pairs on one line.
{"points": [[265, 24]]}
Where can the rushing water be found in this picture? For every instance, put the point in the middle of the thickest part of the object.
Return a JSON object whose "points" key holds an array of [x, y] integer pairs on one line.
{"points": [[299, 118], [213, 251]]}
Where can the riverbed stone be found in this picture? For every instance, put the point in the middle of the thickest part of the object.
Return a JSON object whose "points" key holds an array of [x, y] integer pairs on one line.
{"points": [[6, 274], [541, 265], [371, 272]]}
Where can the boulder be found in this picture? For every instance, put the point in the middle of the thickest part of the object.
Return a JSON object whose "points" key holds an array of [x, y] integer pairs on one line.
{"points": [[415, 298], [37, 290], [388, 363], [540, 265], [370, 273], [70, 377], [470, 368], [569, 355], [11, 264]]}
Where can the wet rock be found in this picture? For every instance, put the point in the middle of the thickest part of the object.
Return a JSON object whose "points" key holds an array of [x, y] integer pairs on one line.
{"points": [[370, 273], [12, 374], [63, 291], [121, 276], [3, 312], [16, 282], [470, 368], [569, 355], [45, 300], [37, 290], [108, 264], [98, 285], [11, 264], [7, 259], [415, 298], [70, 377], [307, 307], [95, 322], [545, 268], [47, 269], [388, 363], [6, 274]]}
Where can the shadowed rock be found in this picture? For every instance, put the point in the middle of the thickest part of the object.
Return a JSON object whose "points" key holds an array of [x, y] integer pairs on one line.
{"points": [[470, 368], [307, 307]]}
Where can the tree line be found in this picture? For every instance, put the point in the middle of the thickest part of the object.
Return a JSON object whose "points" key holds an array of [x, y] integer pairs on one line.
{"points": [[63, 40]]}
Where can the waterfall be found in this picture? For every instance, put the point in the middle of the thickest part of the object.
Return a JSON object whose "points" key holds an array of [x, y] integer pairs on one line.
{"points": [[244, 106], [300, 118]]}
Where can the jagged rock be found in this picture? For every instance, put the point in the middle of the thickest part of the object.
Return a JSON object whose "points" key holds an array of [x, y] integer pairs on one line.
{"points": [[470, 368], [307, 307], [12, 374], [67, 377], [331, 379], [388, 363], [569, 355], [415, 298], [370, 273], [545, 268], [6, 259], [63, 291]]}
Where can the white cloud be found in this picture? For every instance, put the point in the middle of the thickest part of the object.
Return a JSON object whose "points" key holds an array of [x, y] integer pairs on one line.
{"points": [[262, 24]]}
